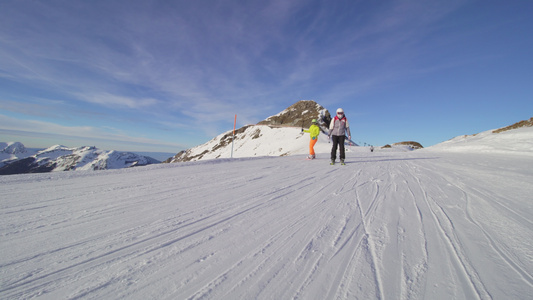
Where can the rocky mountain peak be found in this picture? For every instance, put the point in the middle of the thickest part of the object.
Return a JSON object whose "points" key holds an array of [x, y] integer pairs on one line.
{"points": [[12, 148], [299, 114]]}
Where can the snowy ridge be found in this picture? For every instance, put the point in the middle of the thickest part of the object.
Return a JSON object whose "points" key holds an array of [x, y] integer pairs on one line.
{"points": [[89, 158], [515, 141], [61, 158]]}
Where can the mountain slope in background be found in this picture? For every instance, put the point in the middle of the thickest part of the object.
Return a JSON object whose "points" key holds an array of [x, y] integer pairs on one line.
{"points": [[278, 135], [61, 158], [516, 138]]}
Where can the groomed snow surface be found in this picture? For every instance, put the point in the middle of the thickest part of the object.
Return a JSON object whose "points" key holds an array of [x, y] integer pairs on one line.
{"points": [[426, 224]]}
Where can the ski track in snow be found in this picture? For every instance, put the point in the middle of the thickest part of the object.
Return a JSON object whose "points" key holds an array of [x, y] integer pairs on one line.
{"points": [[388, 225]]}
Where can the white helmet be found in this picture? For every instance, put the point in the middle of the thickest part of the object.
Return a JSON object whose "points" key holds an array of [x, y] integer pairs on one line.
{"points": [[340, 110]]}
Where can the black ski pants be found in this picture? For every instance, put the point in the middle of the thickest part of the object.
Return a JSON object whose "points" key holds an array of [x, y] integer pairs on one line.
{"points": [[338, 141]]}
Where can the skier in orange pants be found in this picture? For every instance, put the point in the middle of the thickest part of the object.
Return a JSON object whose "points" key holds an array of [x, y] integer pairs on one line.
{"points": [[313, 131]]}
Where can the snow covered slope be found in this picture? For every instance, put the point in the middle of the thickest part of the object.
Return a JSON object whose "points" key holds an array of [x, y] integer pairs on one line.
{"points": [[61, 158], [253, 141], [278, 135], [388, 225], [516, 139]]}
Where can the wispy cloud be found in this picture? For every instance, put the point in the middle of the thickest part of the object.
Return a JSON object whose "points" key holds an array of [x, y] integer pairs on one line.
{"points": [[192, 65], [41, 129], [205, 55], [110, 100]]}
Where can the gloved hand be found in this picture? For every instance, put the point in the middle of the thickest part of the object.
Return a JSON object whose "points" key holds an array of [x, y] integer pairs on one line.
{"points": [[302, 130], [313, 138]]}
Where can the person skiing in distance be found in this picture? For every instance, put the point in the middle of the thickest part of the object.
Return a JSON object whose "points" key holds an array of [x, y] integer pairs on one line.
{"points": [[338, 127], [313, 131]]}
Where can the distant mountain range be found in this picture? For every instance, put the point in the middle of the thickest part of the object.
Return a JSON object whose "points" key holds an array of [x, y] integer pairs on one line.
{"points": [[16, 159]]}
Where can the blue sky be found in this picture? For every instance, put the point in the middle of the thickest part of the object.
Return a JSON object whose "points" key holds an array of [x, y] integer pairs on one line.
{"points": [[143, 75]]}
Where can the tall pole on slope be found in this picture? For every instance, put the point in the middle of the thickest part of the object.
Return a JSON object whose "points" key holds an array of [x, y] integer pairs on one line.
{"points": [[233, 139]]}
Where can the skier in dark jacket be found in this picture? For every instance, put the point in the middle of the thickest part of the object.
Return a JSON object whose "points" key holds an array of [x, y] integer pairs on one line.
{"points": [[337, 133]]}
